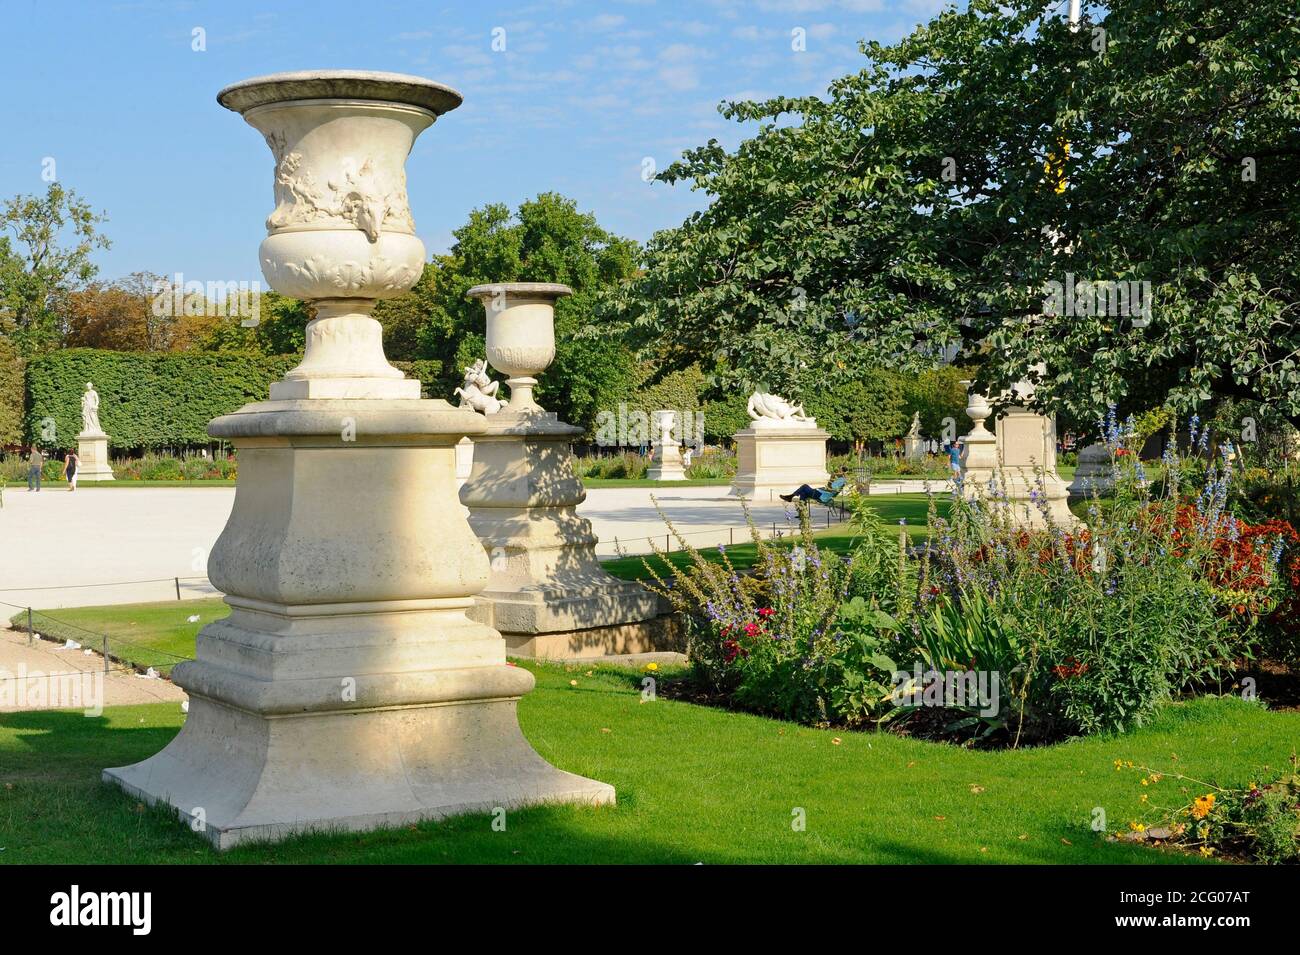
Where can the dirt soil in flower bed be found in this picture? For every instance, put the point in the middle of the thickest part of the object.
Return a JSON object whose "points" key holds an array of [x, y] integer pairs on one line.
{"points": [[1274, 684]]}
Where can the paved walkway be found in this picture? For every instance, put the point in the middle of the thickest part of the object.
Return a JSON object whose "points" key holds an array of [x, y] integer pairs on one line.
{"points": [[107, 545], [44, 675]]}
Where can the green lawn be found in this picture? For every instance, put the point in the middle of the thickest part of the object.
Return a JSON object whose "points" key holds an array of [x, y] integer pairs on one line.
{"points": [[694, 785], [145, 634]]}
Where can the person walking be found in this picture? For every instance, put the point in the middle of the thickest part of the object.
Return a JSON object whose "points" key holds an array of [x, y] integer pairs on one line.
{"points": [[71, 465], [35, 461]]}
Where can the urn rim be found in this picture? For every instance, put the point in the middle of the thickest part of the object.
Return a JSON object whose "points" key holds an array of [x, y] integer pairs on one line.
{"points": [[400, 88], [520, 289]]}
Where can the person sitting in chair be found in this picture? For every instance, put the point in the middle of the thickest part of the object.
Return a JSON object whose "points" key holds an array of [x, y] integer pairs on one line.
{"points": [[823, 495]]}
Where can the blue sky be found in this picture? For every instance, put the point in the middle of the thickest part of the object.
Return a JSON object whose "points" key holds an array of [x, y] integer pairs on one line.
{"points": [[584, 91]]}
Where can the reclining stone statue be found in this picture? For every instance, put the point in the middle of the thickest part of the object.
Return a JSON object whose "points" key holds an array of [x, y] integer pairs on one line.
{"points": [[763, 405]]}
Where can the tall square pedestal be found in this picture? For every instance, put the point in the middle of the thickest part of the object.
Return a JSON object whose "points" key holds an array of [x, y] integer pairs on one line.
{"points": [[92, 449], [776, 460], [349, 688], [522, 496]]}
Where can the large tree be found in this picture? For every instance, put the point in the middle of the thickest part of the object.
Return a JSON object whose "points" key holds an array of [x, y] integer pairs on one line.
{"points": [[45, 248], [928, 201]]}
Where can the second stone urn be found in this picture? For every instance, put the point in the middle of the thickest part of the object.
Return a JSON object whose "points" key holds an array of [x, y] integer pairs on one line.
{"points": [[547, 594], [351, 686]]}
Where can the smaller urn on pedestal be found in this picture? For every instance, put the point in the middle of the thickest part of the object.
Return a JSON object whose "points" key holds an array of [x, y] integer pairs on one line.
{"points": [[547, 594], [667, 463]]}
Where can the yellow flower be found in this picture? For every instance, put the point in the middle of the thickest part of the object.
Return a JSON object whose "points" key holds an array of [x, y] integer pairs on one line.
{"points": [[1145, 781], [652, 667], [1207, 850], [1144, 797], [1201, 808]]}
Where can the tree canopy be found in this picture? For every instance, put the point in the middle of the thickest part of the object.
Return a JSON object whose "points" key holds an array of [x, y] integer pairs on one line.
{"points": [[45, 253], [925, 205]]}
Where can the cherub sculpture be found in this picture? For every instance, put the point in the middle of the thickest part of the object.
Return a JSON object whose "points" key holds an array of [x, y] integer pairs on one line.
{"points": [[478, 391]]}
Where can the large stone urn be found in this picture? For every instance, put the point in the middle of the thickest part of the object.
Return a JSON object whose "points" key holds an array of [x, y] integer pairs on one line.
{"points": [[349, 688], [548, 594]]}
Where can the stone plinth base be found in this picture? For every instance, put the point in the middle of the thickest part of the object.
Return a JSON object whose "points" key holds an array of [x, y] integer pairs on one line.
{"points": [[348, 689], [522, 497], [1014, 469], [236, 776], [667, 463], [663, 634], [776, 460], [1093, 473], [92, 449]]}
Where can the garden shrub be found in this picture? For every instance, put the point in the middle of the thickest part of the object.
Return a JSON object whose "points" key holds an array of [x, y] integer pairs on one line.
{"points": [[11, 393], [148, 400], [1087, 629]]}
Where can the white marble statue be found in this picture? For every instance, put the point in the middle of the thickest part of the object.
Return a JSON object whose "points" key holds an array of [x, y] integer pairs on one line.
{"points": [[915, 430], [478, 390], [90, 411], [764, 406]]}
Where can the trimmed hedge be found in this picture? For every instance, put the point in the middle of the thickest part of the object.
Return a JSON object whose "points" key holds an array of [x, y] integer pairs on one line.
{"points": [[152, 400], [11, 394], [146, 399]]}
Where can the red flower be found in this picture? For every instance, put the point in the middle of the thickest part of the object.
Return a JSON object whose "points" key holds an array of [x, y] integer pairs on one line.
{"points": [[751, 629], [731, 649], [766, 611]]}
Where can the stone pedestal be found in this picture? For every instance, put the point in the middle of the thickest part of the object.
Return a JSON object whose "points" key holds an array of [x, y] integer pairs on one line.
{"points": [[1027, 446], [1094, 472], [522, 497], [1014, 466], [667, 464], [348, 689], [92, 449], [775, 458], [914, 447], [464, 461]]}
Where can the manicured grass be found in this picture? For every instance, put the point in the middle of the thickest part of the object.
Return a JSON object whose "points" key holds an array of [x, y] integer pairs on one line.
{"points": [[911, 508], [694, 785], [642, 482], [144, 634]]}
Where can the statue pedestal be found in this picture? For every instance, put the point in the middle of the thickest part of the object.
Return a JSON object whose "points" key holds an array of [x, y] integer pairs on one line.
{"points": [[667, 464], [775, 459], [522, 497], [914, 447], [92, 449], [1003, 468], [349, 688], [1093, 473]]}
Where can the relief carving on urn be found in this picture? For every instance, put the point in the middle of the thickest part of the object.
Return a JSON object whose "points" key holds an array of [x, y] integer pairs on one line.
{"points": [[341, 235]]}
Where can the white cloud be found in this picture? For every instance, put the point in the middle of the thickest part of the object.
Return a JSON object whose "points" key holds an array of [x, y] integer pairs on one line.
{"points": [[606, 21]]}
